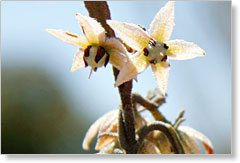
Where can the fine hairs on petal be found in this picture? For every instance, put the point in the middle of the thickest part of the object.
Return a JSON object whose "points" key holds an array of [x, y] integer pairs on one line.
{"points": [[199, 136], [94, 32], [183, 50], [92, 131], [161, 74], [162, 25], [78, 60], [70, 38], [136, 64], [131, 34]]}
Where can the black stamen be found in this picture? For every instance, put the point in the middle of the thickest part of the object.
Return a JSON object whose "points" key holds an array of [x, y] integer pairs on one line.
{"points": [[152, 42], [146, 52], [143, 28], [86, 51], [165, 46], [107, 60], [153, 62], [85, 62], [95, 69], [164, 59], [100, 54]]}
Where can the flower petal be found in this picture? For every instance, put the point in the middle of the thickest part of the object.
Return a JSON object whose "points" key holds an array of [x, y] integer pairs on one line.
{"points": [[182, 50], [92, 131], [189, 143], [199, 136], [148, 147], [114, 44], [162, 25], [136, 64], [161, 141], [161, 74], [68, 37], [131, 34], [78, 60], [93, 30], [117, 59]]}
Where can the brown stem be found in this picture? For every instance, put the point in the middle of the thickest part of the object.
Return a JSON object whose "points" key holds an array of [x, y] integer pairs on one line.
{"points": [[151, 106], [100, 11], [168, 130]]}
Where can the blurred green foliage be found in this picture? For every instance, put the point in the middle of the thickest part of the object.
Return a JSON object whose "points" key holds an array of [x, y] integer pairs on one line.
{"points": [[36, 116]]}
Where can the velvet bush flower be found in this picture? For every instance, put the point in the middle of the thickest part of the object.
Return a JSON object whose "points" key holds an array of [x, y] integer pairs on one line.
{"points": [[154, 48], [96, 49]]}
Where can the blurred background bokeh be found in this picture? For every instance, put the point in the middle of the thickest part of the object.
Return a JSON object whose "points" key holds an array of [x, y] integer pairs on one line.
{"points": [[47, 109]]}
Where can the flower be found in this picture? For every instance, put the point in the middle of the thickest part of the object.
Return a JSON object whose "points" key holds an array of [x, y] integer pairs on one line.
{"points": [[154, 48], [96, 50]]}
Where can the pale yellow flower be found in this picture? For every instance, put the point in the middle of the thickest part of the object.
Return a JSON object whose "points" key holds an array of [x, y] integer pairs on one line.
{"points": [[96, 50], [154, 48]]}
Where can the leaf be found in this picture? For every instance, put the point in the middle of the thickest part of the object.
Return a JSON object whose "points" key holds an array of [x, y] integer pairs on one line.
{"points": [[131, 34], [162, 25], [182, 50]]}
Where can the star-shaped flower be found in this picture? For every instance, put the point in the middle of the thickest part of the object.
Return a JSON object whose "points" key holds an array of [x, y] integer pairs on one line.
{"points": [[96, 50], [154, 48]]}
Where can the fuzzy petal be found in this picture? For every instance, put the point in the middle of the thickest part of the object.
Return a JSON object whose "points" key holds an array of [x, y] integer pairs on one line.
{"points": [[189, 143], [78, 60], [131, 34], [117, 51], [68, 37], [92, 131], [93, 30], [136, 64], [117, 59], [199, 136], [161, 73], [148, 148], [114, 44], [162, 142], [182, 50], [162, 25]]}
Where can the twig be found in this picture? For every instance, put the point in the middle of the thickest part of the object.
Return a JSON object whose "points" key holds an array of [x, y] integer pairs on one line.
{"points": [[100, 11], [168, 130], [180, 116], [151, 106]]}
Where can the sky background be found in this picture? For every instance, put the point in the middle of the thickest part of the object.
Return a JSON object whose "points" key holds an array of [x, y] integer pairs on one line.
{"points": [[202, 86]]}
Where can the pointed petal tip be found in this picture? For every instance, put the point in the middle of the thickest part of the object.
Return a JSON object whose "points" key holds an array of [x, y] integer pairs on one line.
{"points": [[49, 30], [85, 146], [72, 70]]}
